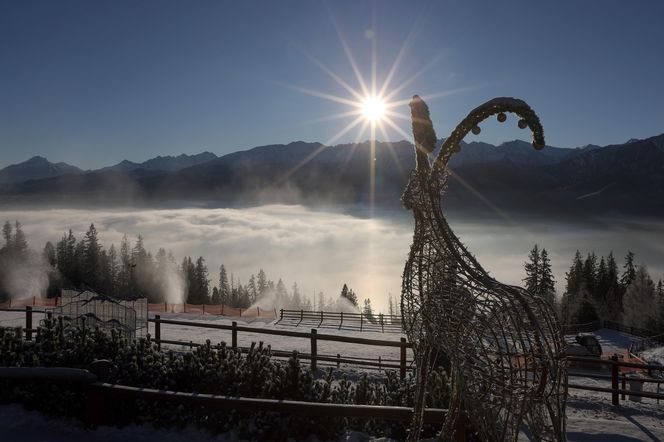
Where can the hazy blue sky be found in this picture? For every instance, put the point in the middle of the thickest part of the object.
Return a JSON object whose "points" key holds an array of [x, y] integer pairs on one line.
{"points": [[95, 82]]}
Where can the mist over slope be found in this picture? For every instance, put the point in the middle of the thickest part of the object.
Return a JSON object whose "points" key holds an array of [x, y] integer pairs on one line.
{"points": [[618, 179]]}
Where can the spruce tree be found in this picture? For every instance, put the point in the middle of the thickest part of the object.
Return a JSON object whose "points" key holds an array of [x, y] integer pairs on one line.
{"points": [[20, 243], [533, 271], [547, 286], [224, 289], [630, 272], [91, 259], [639, 303], [614, 292], [368, 311], [7, 234]]}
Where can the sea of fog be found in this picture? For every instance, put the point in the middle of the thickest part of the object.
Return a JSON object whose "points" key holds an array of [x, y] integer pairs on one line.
{"points": [[323, 249]]}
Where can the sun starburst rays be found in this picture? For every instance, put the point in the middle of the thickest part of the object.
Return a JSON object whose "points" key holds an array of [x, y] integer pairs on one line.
{"points": [[373, 103]]}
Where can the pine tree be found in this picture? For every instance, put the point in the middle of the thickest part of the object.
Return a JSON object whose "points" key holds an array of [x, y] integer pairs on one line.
{"points": [[659, 294], [224, 289], [614, 292], [368, 311], [639, 303], [202, 284], [20, 243], [281, 295], [216, 298], [251, 288], [296, 300], [630, 272], [126, 270], [533, 271], [352, 297], [7, 234], [574, 282], [91, 259], [547, 286], [261, 283]]}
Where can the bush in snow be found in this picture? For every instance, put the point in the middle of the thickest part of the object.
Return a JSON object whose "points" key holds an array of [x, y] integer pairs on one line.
{"points": [[214, 369]]}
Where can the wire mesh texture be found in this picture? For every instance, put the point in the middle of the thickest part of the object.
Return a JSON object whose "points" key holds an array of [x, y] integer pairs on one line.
{"points": [[90, 309], [502, 346]]}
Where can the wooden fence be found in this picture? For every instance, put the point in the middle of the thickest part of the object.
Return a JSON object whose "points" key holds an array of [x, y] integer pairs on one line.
{"points": [[194, 309], [403, 364], [618, 380], [339, 320], [99, 403], [212, 309]]}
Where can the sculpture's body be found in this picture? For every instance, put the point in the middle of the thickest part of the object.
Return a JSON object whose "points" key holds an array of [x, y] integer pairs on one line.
{"points": [[503, 344]]}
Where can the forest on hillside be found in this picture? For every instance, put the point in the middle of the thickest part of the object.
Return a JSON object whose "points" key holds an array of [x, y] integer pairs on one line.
{"points": [[596, 287]]}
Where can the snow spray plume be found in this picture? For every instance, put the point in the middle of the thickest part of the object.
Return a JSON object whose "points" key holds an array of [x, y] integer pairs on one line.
{"points": [[26, 276]]}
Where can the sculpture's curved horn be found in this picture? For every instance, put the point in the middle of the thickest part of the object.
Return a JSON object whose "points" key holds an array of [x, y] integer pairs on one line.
{"points": [[492, 107], [423, 133]]}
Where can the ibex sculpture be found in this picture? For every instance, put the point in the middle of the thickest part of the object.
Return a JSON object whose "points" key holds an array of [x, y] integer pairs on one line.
{"points": [[503, 345]]}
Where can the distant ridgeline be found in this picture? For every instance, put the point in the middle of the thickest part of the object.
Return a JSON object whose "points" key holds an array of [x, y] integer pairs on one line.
{"points": [[619, 179]]}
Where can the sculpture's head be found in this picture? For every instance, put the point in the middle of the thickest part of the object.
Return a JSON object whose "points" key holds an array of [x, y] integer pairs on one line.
{"points": [[423, 133]]}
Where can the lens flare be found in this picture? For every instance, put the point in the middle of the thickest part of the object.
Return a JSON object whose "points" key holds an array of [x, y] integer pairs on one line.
{"points": [[373, 109]]}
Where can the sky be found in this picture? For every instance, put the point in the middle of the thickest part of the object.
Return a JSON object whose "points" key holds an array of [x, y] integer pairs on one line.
{"points": [[94, 82]]}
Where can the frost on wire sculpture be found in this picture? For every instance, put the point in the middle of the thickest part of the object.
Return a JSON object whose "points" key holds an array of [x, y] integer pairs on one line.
{"points": [[503, 345]]}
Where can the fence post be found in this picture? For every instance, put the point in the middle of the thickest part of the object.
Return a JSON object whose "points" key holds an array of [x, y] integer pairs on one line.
{"points": [[34, 298], [301, 315], [83, 326], [339, 362], [380, 365], [382, 327], [402, 368], [615, 398], [258, 311], [342, 320], [184, 307], [314, 349], [28, 323], [234, 335], [622, 376], [203, 308], [157, 331], [165, 307], [222, 309], [281, 314], [361, 320]]}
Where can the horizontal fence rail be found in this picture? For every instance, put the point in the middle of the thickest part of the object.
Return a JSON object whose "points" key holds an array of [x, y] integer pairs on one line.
{"points": [[313, 337], [617, 378], [98, 395], [350, 321]]}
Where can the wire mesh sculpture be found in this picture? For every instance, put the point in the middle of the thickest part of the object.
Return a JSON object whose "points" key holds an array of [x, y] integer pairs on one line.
{"points": [[502, 345], [89, 309]]}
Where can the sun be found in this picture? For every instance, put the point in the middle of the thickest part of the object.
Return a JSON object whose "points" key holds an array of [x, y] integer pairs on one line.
{"points": [[373, 109]]}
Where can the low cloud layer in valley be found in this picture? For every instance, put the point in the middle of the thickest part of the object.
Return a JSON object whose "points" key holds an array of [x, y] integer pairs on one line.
{"points": [[322, 250]]}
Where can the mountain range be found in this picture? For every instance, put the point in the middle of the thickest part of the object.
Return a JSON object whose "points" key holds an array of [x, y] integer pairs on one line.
{"points": [[617, 179]]}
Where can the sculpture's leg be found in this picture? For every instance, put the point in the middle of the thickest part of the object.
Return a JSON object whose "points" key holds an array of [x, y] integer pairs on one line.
{"points": [[447, 433], [520, 407], [420, 393]]}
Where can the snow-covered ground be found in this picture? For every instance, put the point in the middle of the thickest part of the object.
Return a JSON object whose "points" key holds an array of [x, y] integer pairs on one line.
{"points": [[591, 417]]}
